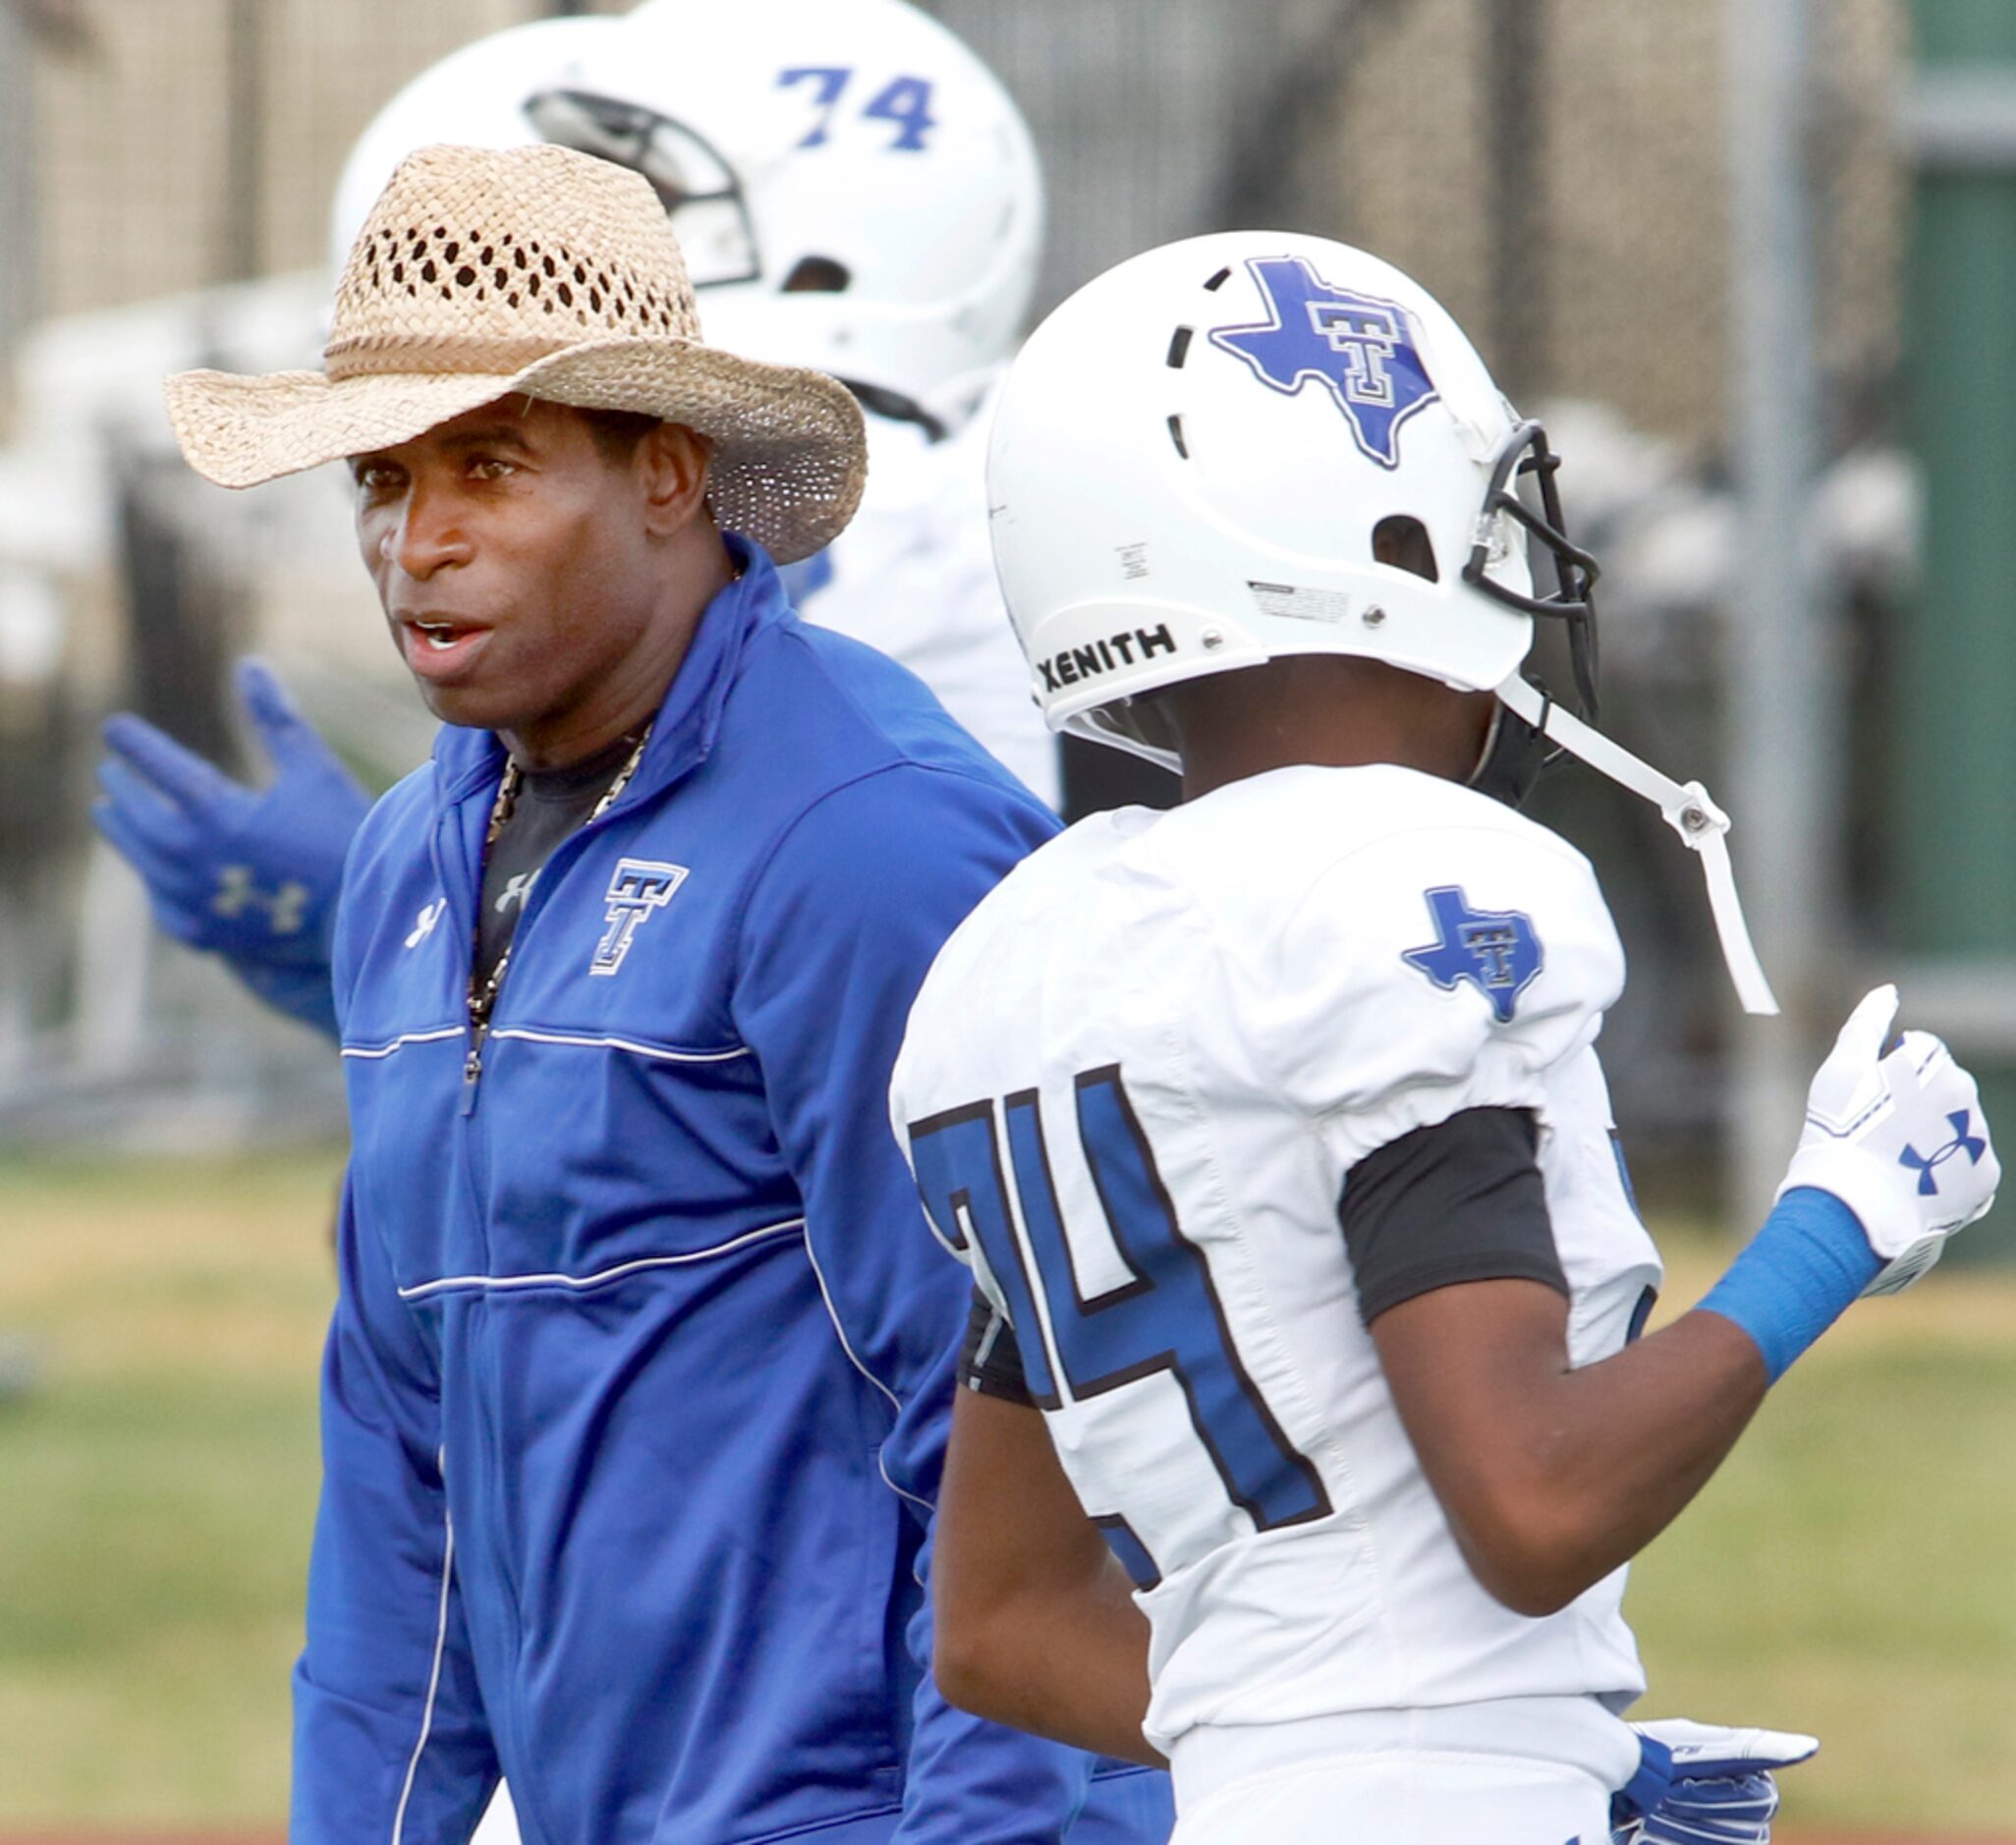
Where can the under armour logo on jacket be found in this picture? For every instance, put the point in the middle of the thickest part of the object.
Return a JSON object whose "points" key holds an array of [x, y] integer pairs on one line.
{"points": [[639, 889], [1927, 1165], [424, 925]]}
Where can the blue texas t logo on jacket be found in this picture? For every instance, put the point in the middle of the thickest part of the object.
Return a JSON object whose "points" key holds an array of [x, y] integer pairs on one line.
{"points": [[1496, 950], [1358, 347], [637, 889]]}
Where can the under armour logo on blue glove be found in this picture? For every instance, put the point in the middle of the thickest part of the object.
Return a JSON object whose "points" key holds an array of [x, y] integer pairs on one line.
{"points": [[285, 909], [247, 874]]}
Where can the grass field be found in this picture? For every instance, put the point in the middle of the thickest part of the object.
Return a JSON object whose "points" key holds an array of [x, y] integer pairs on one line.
{"points": [[1851, 1572], [159, 1485]]}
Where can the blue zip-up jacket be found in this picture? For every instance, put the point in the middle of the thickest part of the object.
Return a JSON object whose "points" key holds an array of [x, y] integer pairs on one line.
{"points": [[635, 1397]]}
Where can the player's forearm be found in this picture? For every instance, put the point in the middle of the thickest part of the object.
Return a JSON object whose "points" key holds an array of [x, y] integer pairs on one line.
{"points": [[1033, 1621], [1072, 1668], [1551, 1477], [1604, 1458], [1635, 1437]]}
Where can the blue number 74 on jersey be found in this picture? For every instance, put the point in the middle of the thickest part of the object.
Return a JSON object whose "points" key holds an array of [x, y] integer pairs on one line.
{"points": [[1166, 1318]]}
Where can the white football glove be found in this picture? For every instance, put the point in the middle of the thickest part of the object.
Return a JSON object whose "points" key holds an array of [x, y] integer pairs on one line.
{"points": [[1720, 1791], [1899, 1140]]}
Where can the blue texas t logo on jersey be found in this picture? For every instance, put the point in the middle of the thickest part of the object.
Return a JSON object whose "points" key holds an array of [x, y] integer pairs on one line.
{"points": [[1496, 950], [1358, 347]]}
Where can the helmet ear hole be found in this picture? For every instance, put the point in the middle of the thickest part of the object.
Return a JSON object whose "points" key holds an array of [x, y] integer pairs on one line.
{"points": [[1402, 541], [817, 275]]}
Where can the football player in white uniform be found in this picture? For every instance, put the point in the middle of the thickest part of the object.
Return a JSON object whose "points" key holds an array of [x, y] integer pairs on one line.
{"points": [[855, 192], [1310, 1428]]}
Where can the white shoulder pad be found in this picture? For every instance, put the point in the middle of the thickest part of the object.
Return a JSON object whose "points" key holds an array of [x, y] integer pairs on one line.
{"points": [[1444, 964]]}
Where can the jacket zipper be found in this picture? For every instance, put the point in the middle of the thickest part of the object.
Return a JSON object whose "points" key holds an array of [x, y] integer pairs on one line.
{"points": [[479, 1023]]}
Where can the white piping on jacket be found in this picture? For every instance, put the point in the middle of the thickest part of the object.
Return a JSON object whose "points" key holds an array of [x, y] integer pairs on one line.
{"points": [[400, 1043], [854, 1358], [661, 1053], [433, 1687], [505, 1283]]}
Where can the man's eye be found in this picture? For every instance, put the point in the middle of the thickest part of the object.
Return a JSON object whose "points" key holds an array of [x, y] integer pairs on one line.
{"points": [[375, 477], [489, 468]]}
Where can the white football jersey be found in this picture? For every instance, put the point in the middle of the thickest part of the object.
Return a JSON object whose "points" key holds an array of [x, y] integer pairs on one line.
{"points": [[914, 574], [1133, 1086]]}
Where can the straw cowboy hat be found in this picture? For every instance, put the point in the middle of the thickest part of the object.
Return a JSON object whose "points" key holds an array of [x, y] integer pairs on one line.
{"points": [[541, 272]]}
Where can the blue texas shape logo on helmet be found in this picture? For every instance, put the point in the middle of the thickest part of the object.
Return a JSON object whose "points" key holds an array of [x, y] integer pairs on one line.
{"points": [[1360, 348]]}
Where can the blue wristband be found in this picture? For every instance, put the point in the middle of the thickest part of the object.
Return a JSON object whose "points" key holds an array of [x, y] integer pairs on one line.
{"points": [[1798, 1275]]}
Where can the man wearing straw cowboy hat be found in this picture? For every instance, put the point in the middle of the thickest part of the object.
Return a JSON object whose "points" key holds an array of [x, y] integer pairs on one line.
{"points": [[635, 1393]]}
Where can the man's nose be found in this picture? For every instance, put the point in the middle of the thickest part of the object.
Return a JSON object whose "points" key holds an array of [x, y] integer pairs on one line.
{"points": [[431, 534]]}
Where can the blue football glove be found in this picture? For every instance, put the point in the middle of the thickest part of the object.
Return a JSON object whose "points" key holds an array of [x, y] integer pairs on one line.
{"points": [[250, 874], [1700, 1784]]}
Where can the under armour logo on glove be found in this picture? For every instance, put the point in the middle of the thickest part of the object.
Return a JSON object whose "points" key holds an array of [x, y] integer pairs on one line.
{"points": [[251, 873], [286, 908], [1496, 950], [1927, 1165], [1868, 1114]]}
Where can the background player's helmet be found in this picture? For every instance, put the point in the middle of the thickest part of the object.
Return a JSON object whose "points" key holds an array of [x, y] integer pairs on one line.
{"points": [[853, 188], [1198, 456], [473, 97]]}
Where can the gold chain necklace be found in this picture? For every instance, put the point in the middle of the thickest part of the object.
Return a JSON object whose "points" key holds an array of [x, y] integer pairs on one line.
{"points": [[483, 994]]}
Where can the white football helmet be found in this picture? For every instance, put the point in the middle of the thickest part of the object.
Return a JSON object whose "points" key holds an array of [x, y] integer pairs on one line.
{"points": [[1202, 457], [1210, 440], [853, 187], [474, 97]]}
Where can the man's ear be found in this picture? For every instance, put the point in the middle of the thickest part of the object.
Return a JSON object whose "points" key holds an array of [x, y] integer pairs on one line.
{"points": [[671, 462]]}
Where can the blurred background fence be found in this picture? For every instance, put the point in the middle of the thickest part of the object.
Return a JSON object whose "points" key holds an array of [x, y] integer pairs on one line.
{"points": [[1555, 170], [1568, 175]]}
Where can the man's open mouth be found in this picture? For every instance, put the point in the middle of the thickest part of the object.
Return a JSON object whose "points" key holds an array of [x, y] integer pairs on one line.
{"points": [[437, 647]]}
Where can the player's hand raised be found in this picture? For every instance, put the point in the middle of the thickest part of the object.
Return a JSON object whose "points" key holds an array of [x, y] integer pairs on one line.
{"points": [[1900, 1139], [251, 875]]}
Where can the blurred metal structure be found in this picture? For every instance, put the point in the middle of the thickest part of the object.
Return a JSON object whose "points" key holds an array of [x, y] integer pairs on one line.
{"points": [[19, 216], [1950, 831], [1514, 52], [246, 161], [1784, 687]]}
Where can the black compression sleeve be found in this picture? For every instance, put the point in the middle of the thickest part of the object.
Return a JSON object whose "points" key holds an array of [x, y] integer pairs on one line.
{"points": [[991, 1360], [1462, 1200]]}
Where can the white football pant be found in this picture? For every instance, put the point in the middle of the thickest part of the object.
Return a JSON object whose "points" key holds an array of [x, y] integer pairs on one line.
{"points": [[1404, 1797], [499, 1823]]}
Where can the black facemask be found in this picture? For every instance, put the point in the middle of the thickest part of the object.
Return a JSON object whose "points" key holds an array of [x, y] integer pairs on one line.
{"points": [[1516, 753]]}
